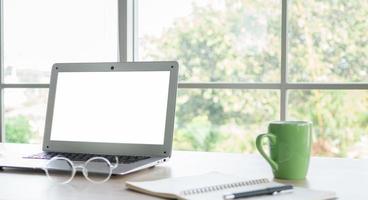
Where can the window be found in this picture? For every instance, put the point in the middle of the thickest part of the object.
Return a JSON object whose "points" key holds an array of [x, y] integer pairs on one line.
{"points": [[245, 63], [327, 41], [37, 34], [213, 40], [242, 63], [24, 114]]}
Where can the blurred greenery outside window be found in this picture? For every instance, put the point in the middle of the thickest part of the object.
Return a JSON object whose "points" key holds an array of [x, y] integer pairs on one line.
{"points": [[239, 41], [18, 130]]}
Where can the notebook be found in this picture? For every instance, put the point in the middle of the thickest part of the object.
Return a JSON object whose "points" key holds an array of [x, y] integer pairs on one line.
{"points": [[215, 185]]}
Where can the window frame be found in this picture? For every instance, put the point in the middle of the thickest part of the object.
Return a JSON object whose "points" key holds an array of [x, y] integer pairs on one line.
{"points": [[128, 45]]}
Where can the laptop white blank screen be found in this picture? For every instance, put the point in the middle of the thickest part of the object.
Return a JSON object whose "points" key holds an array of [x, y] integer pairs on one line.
{"points": [[111, 107]]}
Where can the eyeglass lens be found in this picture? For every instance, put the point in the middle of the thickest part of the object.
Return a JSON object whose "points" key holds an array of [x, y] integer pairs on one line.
{"points": [[97, 170], [59, 170]]}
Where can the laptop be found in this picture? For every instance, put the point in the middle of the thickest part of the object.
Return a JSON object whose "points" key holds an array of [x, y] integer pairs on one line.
{"points": [[108, 109]]}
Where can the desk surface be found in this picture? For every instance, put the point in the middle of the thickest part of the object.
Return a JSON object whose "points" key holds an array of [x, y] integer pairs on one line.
{"points": [[347, 177]]}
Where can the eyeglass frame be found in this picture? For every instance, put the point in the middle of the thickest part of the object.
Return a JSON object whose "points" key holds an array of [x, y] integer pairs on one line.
{"points": [[83, 167]]}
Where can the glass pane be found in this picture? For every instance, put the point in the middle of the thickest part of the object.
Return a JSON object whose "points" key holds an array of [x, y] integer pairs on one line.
{"points": [[213, 40], [223, 120], [340, 120], [25, 111], [39, 33], [328, 41]]}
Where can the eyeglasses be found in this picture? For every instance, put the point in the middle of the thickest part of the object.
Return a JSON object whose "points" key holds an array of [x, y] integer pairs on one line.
{"points": [[96, 169]]}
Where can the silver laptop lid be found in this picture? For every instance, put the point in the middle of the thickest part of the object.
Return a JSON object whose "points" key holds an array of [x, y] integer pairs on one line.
{"points": [[112, 108]]}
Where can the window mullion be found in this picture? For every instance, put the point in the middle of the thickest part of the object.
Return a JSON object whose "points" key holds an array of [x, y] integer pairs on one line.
{"points": [[126, 29], [283, 71]]}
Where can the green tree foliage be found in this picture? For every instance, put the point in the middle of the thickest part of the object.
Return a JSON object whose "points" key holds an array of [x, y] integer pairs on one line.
{"points": [[17, 130], [327, 43], [328, 40], [241, 43], [340, 119], [208, 46]]}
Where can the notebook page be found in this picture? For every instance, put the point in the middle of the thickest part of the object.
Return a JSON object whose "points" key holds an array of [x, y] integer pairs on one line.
{"points": [[179, 185]]}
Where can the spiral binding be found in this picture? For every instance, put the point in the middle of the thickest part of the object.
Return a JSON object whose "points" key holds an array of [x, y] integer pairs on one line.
{"points": [[214, 188]]}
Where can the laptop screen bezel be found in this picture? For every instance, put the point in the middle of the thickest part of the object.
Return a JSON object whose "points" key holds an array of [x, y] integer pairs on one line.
{"points": [[113, 148]]}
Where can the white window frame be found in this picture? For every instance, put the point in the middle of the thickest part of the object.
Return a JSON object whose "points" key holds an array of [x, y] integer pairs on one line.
{"points": [[127, 24]]}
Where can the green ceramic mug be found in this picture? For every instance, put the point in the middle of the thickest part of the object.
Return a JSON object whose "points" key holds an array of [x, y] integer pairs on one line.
{"points": [[290, 148]]}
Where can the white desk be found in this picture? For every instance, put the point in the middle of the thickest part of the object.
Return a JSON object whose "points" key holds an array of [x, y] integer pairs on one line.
{"points": [[347, 177]]}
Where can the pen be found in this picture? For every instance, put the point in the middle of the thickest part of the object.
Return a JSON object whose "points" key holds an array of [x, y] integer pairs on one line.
{"points": [[253, 193]]}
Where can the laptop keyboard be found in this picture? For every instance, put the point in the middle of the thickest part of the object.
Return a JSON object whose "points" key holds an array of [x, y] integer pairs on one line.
{"points": [[85, 157]]}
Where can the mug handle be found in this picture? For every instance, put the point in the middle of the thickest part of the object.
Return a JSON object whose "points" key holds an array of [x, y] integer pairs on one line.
{"points": [[272, 140]]}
